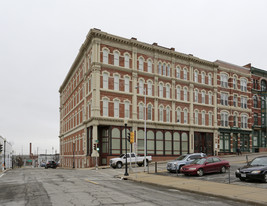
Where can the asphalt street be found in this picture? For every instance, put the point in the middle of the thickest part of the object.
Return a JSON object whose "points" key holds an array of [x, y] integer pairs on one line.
{"points": [[38, 186]]}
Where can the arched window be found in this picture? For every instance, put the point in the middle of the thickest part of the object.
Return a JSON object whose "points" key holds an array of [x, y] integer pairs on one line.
{"points": [[167, 91], [210, 119], [164, 69], [244, 121], [203, 97], [195, 76], [224, 119], [161, 90], [196, 117], [178, 93], [168, 70], [185, 74], [141, 86], [161, 113], [159, 68], [141, 64], [116, 58], [203, 78], [149, 66], [209, 79], [243, 84], [178, 73], [210, 98], [105, 107], [255, 101], [149, 112], [116, 108], [263, 85], [178, 115], [126, 61], [168, 115], [196, 96], [149, 88], [203, 118], [185, 116], [185, 94], [141, 111], [105, 56], [105, 81]]}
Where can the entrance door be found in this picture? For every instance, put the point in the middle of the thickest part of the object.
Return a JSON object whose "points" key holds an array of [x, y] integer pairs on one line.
{"points": [[203, 142], [103, 145]]}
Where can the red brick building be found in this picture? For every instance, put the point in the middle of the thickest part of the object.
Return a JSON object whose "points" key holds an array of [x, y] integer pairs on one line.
{"points": [[192, 105]]}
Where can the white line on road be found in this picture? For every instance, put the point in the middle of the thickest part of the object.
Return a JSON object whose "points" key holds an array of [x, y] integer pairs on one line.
{"points": [[91, 181], [1, 175]]}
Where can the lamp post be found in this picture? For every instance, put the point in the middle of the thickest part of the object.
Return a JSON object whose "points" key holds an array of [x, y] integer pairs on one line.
{"points": [[126, 165], [5, 154], [73, 145], [145, 137]]}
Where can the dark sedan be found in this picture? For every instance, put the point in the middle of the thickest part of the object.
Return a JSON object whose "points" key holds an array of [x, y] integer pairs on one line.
{"points": [[254, 170], [51, 164], [205, 165]]}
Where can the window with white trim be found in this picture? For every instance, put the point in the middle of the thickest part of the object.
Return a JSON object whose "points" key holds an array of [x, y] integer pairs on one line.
{"points": [[178, 72], [244, 121], [116, 82], [178, 93], [195, 76], [168, 70], [196, 117], [235, 100], [210, 119], [210, 98], [224, 119], [185, 74], [149, 66], [126, 61], [126, 83], [203, 97], [105, 56], [167, 91], [224, 99], [234, 82], [185, 116], [141, 86], [203, 78], [243, 84], [149, 88], [141, 64], [244, 102], [164, 69], [116, 108], [116, 58], [126, 110], [168, 115], [178, 115], [141, 111], [235, 120], [196, 96], [149, 112], [185, 94], [209, 79], [224, 80], [161, 113], [105, 107], [105, 81], [159, 68], [161, 90], [203, 118]]}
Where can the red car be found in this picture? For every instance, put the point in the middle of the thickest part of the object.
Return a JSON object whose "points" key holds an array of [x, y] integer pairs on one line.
{"points": [[205, 165]]}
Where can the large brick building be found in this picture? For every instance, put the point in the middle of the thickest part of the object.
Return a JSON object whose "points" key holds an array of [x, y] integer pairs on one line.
{"points": [[192, 105]]}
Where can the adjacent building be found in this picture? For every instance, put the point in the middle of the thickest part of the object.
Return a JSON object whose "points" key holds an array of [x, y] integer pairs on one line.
{"points": [[184, 103], [5, 154]]}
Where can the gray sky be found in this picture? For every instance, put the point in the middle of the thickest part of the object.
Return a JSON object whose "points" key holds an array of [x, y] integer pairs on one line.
{"points": [[39, 40]]}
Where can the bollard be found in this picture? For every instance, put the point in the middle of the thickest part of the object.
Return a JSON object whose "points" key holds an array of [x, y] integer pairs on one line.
{"points": [[156, 167], [229, 174]]}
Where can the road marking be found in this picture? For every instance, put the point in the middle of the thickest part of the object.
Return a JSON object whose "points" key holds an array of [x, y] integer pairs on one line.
{"points": [[1, 175], [91, 181]]}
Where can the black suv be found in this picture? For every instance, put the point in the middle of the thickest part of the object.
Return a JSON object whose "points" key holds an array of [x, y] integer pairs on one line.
{"points": [[51, 164]]}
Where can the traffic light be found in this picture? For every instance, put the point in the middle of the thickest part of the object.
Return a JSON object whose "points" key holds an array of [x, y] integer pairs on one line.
{"points": [[1, 148], [132, 137], [128, 137], [94, 146]]}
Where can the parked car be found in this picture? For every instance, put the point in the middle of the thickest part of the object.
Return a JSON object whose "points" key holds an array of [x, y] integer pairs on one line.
{"points": [[182, 160], [120, 161], [205, 165], [254, 170], [51, 164], [42, 164]]}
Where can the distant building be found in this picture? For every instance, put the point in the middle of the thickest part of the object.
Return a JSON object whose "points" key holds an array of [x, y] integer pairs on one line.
{"points": [[192, 105], [6, 154]]}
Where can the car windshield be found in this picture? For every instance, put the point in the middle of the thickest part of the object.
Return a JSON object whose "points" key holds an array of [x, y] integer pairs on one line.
{"points": [[199, 161], [121, 155], [181, 157], [260, 161]]}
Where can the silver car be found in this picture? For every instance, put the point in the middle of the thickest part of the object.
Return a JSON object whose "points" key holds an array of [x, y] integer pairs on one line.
{"points": [[175, 165]]}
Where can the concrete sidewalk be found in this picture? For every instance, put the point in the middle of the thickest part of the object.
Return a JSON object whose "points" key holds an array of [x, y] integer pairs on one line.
{"points": [[241, 193]]}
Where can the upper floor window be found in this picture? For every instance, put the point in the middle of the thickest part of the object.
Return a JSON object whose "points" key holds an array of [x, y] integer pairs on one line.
{"points": [[244, 121], [149, 66], [141, 86], [126, 110], [168, 70], [224, 119], [126, 61], [244, 101], [255, 119], [105, 107], [105, 56], [141, 64], [203, 97], [161, 90], [210, 98], [116, 108], [185, 74], [167, 91], [224, 99], [203, 78], [195, 76], [185, 94], [161, 113], [224, 80], [149, 88], [234, 82], [164, 69], [235, 120], [178, 116], [149, 112], [116, 58], [210, 119], [178, 93], [203, 118], [168, 115], [196, 96], [196, 117], [185, 116], [235, 100], [141, 111], [243, 85], [126, 83], [209, 79], [255, 101], [116, 82], [105, 80], [159, 68], [178, 73], [263, 85]]}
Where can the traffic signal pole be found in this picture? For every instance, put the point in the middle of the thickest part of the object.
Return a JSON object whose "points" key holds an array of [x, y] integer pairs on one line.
{"points": [[126, 165]]}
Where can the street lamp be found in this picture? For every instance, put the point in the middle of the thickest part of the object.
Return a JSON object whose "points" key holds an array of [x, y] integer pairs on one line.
{"points": [[265, 123], [73, 145], [145, 137], [5, 154], [126, 165]]}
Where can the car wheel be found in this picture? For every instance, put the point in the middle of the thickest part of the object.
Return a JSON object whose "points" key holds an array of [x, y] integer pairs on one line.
{"points": [[140, 164], [200, 172], [119, 165], [242, 179], [265, 178], [223, 169], [146, 162]]}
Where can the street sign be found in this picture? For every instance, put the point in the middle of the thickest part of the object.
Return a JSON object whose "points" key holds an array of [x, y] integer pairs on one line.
{"points": [[96, 141]]}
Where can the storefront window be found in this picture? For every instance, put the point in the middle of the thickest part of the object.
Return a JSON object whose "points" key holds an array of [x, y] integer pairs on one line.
{"points": [[115, 141], [176, 143], [159, 143], [184, 143], [123, 142], [225, 142], [140, 142], [168, 143], [150, 142]]}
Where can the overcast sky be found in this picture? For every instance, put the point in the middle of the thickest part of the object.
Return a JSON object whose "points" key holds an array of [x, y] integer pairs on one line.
{"points": [[39, 40]]}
